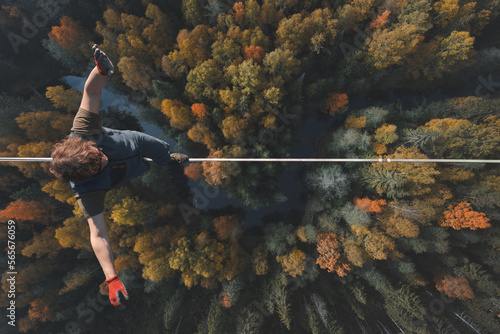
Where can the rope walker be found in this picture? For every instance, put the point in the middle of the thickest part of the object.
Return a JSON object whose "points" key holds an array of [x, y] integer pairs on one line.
{"points": [[455, 161]]}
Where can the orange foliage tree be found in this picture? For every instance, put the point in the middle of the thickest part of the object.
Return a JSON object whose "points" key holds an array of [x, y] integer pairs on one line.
{"points": [[239, 12], [381, 20], [329, 254], [194, 171], [462, 216], [227, 227], [24, 210], [199, 109], [70, 35], [373, 206], [215, 172], [454, 287], [254, 52], [336, 103]]}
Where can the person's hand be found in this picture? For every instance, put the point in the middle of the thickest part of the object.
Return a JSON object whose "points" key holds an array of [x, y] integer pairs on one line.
{"points": [[115, 287], [179, 157], [104, 65]]}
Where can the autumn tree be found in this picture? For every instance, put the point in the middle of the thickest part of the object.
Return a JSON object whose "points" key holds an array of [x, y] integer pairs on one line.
{"points": [[413, 178], [195, 45], [254, 52], [247, 77], [238, 12], [234, 128], [180, 115], [355, 252], [24, 211], [381, 20], [454, 287], [227, 228], [68, 99], [397, 226], [294, 263], [336, 103], [281, 62], [134, 73], [130, 212], [384, 135], [216, 172], [460, 138], [41, 310], [453, 53], [194, 171], [447, 10], [355, 122], [204, 81], [61, 191], [314, 32], [71, 36], [463, 216], [391, 46], [225, 50], [72, 235], [353, 12], [199, 110], [200, 133], [43, 243], [44, 125], [329, 258], [379, 246], [373, 206]]}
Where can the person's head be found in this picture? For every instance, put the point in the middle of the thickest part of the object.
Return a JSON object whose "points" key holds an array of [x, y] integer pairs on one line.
{"points": [[75, 159]]}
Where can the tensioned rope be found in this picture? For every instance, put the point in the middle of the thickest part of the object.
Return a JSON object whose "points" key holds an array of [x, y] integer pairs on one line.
{"points": [[455, 161]]}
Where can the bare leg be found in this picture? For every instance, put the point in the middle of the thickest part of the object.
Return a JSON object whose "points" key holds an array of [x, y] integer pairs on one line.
{"points": [[91, 99]]}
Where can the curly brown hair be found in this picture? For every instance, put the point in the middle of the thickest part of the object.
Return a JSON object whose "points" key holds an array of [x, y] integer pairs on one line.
{"points": [[75, 159]]}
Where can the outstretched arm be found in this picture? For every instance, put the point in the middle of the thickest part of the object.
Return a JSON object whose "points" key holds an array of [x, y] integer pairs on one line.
{"points": [[99, 239]]}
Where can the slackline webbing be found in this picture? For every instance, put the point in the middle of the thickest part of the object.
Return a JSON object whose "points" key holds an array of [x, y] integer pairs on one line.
{"points": [[453, 161]]}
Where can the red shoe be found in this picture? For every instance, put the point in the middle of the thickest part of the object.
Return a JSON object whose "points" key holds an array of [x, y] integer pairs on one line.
{"points": [[104, 65]]}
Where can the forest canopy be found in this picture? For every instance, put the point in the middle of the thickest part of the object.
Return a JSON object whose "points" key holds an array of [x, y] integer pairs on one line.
{"points": [[370, 247]]}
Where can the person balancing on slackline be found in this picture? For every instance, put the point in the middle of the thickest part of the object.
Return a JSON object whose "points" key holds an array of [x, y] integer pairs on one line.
{"points": [[95, 159]]}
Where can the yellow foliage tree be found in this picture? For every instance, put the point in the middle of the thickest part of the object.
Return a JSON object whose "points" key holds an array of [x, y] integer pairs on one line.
{"points": [[379, 246], [61, 191], [391, 46], [68, 99], [180, 115], [293, 263], [43, 243], [200, 133], [355, 122]]}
